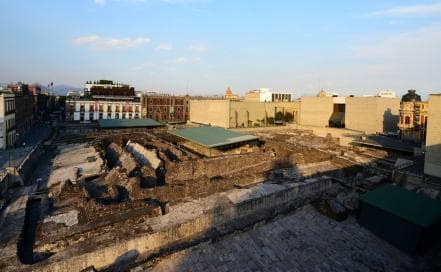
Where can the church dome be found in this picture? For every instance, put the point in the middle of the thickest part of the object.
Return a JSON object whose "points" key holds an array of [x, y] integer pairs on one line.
{"points": [[411, 96]]}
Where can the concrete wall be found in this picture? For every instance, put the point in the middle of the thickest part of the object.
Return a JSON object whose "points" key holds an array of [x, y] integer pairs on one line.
{"points": [[247, 113], [372, 114], [214, 112], [231, 114], [433, 139], [316, 111]]}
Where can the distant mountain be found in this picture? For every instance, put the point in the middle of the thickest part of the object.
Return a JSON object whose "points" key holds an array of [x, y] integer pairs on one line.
{"points": [[63, 89]]}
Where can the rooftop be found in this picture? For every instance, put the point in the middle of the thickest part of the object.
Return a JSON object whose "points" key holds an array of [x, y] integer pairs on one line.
{"points": [[128, 123], [212, 136]]}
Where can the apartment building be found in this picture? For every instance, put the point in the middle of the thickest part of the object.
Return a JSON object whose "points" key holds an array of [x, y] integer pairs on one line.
{"points": [[8, 132]]}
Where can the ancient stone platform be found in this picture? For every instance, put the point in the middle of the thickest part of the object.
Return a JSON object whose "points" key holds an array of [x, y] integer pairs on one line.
{"points": [[302, 241]]}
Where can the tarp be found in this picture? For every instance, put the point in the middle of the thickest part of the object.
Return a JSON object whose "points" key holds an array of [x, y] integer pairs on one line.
{"points": [[406, 219], [208, 136]]}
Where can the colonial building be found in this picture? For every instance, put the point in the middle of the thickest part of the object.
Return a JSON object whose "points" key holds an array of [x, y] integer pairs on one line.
{"points": [[413, 117], [230, 95], [7, 120], [104, 101], [165, 108]]}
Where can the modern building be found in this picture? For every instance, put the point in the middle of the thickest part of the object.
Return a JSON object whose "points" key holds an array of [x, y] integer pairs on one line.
{"points": [[323, 110], [265, 95], [372, 114], [8, 132], [413, 117], [388, 94], [165, 108], [104, 100], [432, 165], [231, 113]]}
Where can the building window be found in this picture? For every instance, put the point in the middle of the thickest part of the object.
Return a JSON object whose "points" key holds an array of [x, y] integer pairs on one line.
{"points": [[407, 120]]}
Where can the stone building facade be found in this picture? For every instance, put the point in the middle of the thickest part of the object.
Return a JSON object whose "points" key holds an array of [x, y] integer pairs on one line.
{"points": [[413, 117], [165, 108]]}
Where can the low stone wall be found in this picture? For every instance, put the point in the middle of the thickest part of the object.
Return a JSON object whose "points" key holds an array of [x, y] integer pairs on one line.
{"points": [[212, 167], [224, 212]]}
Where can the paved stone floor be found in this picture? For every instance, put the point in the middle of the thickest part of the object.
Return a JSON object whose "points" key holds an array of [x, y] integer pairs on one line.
{"points": [[302, 241]]}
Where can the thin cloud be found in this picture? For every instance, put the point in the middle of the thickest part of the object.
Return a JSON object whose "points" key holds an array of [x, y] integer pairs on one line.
{"points": [[411, 11], [164, 47], [184, 60], [180, 60], [196, 59], [98, 42], [100, 2], [198, 48]]}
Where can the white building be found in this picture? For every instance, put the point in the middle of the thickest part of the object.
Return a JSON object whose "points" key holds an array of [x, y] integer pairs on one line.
{"points": [[90, 110], [104, 100], [7, 120], [388, 94], [265, 95]]}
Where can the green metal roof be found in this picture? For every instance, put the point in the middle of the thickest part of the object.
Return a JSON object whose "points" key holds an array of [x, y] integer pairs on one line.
{"points": [[128, 123], [212, 136], [413, 207]]}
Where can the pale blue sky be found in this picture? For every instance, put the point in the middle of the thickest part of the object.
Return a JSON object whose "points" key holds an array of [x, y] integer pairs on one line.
{"points": [[351, 47]]}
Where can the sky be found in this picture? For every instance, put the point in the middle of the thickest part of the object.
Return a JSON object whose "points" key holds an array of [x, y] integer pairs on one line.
{"points": [[204, 46]]}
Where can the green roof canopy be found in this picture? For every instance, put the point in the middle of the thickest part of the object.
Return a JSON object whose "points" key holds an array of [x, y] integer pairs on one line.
{"points": [[212, 136], [128, 123], [413, 207]]}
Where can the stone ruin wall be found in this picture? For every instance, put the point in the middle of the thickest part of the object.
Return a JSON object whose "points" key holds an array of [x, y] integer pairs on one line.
{"points": [[220, 218]]}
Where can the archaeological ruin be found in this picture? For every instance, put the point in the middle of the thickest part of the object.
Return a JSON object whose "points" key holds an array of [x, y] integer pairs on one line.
{"points": [[119, 200]]}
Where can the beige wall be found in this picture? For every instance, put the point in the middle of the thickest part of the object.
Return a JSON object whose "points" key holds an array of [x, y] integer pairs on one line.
{"points": [[316, 111], [243, 111], [230, 114], [213, 112], [372, 114], [433, 139]]}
